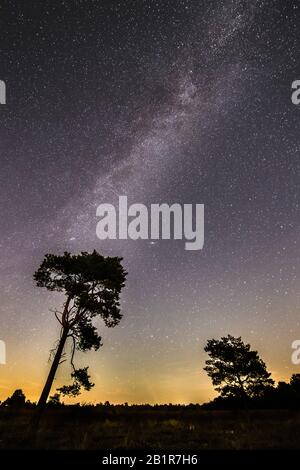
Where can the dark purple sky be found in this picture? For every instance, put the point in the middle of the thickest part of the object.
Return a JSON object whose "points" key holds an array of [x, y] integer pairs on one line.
{"points": [[162, 101]]}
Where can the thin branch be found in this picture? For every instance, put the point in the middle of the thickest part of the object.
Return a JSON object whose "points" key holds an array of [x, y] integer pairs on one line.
{"points": [[79, 313], [55, 313], [73, 352], [65, 312]]}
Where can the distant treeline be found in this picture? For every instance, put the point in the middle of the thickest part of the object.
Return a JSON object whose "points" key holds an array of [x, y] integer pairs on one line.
{"points": [[283, 396], [237, 372]]}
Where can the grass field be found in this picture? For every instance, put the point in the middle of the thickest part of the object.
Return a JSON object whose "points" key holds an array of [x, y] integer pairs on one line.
{"points": [[137, 427]]}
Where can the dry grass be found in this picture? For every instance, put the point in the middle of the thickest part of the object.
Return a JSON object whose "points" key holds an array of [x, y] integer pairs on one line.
{"points": [[165, 429]]}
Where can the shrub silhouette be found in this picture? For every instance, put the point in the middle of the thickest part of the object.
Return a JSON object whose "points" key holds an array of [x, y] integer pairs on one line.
{"points": [[16, 400]]}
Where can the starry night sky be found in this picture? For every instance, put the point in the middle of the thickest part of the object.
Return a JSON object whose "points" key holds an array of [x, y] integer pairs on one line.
{"points": [[163, 101]]}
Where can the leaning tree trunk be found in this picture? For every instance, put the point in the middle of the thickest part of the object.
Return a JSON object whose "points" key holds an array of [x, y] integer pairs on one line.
{"points": [[46, 390]]}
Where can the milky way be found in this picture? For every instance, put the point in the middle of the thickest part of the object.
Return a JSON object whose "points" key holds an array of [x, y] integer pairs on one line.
{"points": [[162, 101]]}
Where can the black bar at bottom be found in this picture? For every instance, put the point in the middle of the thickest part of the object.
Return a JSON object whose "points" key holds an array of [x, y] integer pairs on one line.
{"points": [[144, 458]]}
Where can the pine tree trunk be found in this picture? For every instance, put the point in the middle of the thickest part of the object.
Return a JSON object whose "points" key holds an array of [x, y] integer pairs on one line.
{"points": [[46, 390]]}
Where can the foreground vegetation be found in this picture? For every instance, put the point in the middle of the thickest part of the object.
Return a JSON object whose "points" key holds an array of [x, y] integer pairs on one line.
{"points": [[160, 427]]}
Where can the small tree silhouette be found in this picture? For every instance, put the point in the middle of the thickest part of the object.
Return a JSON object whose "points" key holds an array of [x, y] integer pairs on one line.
{"points": [[16, 400], [92, 285], [235, 370], [295, 382], [54, 401]]}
